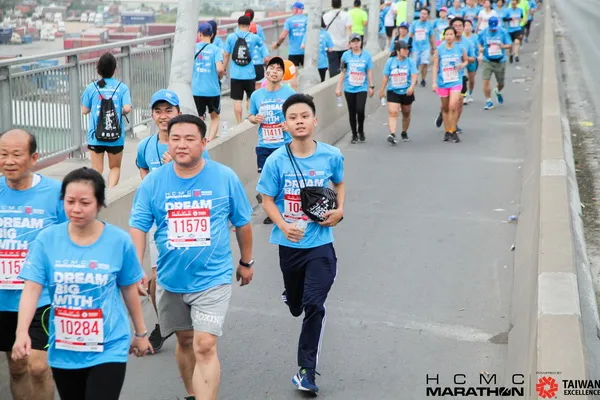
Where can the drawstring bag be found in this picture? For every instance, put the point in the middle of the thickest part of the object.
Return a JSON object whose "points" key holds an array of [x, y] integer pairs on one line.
{"points": [[315, 200]]}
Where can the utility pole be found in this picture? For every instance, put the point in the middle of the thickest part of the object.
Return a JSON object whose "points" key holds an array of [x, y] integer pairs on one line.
{"points": [[182, 62], [373, 28], [310, 75]]}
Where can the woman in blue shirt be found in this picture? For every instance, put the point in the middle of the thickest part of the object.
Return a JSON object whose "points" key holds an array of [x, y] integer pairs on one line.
{"points": [[357, 78], [449, 62], [106, 132], [87, 266]]}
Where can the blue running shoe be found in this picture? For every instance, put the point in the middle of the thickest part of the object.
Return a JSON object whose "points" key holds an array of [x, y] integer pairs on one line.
{"points": [[499, 96], [305, 380], [488, 105]]}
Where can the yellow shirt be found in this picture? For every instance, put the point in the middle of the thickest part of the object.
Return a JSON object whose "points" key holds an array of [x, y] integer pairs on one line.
{"points": [[401, 12], [358, 17]]}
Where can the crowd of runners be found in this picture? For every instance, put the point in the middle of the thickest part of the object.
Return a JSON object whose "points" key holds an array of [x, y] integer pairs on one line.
{"points": [[69, 282]]}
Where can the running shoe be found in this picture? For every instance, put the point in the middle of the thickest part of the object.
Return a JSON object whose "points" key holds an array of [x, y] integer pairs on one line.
{"points": [[259, 198], [499, 96], [439, 120], [423, 83], [354, 138], [455, 137], [447, 136], [404, 136], [267, 221], [284, 297], [189, 398], [392, 139], [488, 105], [305, 380], [470, 99], [511, 58], [156, 339], [458, 129], [361, 136], [465, 101], [517, 59]]}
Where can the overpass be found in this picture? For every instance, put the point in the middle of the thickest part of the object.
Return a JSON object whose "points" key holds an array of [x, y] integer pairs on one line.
{"points": [[433, 279]]}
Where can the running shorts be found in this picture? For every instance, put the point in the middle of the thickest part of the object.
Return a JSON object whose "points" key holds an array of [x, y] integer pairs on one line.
{"points": [[403, 99], [516, 35], [498, 69], [37, 330]]}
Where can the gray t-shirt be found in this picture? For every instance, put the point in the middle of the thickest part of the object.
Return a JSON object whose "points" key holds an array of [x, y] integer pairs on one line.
{"points": [[338, 27]]}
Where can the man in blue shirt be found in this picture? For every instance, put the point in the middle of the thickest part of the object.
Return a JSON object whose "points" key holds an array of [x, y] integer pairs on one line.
{"points": [[265, 111], [239, 48], [306, 255], [193, 201], [29, 203], [492, 43], [295, 26], [262, 53], [206, 77]]}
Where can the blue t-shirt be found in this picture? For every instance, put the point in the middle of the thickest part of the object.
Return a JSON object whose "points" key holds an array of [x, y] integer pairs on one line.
{"points": [[246, 72], [259, 54], [192, 217], [261, 33], [150, 151], [421, 32], [502, 15], [399, 74], [296, 26], [205, 79], [532, 6], [89, 323], [325, 43], [438, 26], [472, 13], [91, 99], [456, 12], [357, 67], [23, 215], [393, 42], [219, 43], [418, 5], [514, 16], [491, 41], [448, 74], [472, 46], [271, 134], [279, 181]]}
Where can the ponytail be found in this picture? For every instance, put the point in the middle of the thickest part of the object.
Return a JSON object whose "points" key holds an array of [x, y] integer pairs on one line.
{"points": [[101, 83]]}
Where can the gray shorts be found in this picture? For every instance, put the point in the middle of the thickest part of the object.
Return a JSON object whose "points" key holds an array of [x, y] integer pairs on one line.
{"points": [[496, 68], [153, 250], [202, 311]]}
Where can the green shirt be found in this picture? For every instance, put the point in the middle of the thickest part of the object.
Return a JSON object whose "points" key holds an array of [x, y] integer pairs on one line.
{"points": [[524, 5], [401, 12], [358, 17]]}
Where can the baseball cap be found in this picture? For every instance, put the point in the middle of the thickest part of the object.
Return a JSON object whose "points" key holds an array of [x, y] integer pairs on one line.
{"points": [[400, 44], [444, 9], [165, 95], [493, 23], [205, 28], [278, 61], [404, 25], [299, 5], [354, 36]]}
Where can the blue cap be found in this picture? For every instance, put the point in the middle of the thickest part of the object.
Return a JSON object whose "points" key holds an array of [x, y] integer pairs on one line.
{"points": [[165, 95], [205, 28], [404, 25], [493, 23], [299, 5]]}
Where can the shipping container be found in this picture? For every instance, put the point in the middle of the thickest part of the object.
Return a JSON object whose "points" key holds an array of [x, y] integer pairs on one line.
{"points": [[99, 33], [160, 29], [135, 28], [137, 18], [5, 35], [27, 39]]}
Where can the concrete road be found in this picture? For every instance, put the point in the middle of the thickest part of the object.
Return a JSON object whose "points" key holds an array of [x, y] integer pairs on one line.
{"points": [[425, 268]]}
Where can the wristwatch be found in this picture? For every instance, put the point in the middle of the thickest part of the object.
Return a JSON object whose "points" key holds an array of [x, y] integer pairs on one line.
{"points": [[249, 264], [372, 87]]}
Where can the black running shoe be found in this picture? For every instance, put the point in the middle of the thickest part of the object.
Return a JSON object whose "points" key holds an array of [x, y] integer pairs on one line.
{"points": [[267, 221], [259, 198], [517, 59], [439, 120], [423, 83], [447, 136], [156, 339], [455, 137], [361, 136], [392, 139], [404, 136], [354, 138], [511, 58], [458, 130]]}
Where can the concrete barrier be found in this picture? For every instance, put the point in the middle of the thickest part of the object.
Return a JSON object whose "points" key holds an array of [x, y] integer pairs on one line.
{"points": [[554, 317], [237, 150]]}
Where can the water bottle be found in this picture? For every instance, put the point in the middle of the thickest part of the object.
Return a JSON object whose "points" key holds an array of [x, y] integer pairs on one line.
{"points": [[225, 130], [340, 103], [303, 223], [383, 102]]}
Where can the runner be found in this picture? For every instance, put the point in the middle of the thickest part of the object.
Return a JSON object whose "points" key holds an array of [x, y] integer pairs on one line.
{"points": [[239, 48], [192, 201], [295, 26], [457, 10], [439, 25], [357, 77], [532, 10], [492, 43], [474, 65], [261, 54], [29, 203], [110, 101], [389, 20], [325, 47], [400, 76], [306, 255], [402, 36], [484, 16], [87, 265], [515, 17], [449, 61], [423, 42], [206, 78], [339, 25], [214, 39], [471, 11], [259, 29], [501, 9], [265, 111], [360, 19]]}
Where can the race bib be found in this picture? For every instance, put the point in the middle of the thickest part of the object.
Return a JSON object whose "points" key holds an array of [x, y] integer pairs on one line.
{"points": [[272, 133], [419, 35], [450, 74], [494, 50], [79, 330], [292, 207], [356, 78], [11, 262], [399, 78], [189, 227], [514, 23]]}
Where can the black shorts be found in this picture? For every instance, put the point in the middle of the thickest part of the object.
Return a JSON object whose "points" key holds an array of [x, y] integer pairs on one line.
{"points": [[260, 72], [465, 86], [528, 24], [37, 329], [389, 31], [212, 104], [239, 86], [99, 149], [403, 99], [297, 59], [516, 35], [262, 153]]}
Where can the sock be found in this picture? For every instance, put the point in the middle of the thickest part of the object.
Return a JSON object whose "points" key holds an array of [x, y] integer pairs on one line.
{"points": [[470, 93], [489, 99]]}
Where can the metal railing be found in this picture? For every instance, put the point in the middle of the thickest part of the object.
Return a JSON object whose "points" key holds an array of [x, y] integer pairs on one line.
{"points": [[41, 94]]}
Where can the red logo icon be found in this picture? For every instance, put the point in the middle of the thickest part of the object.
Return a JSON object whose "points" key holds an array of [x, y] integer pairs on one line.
{"points": [[546, 387], [93, 264], [312, 173], [28, 210], [197, 193]]}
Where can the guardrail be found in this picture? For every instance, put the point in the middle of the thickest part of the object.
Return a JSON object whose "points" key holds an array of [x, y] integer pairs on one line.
{"points": [[46, 101]]}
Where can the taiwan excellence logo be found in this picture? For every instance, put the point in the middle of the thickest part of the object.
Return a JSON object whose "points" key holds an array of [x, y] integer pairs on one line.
{"points": [[546, 387]]}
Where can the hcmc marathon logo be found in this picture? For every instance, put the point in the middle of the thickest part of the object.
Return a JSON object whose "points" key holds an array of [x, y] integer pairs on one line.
{"points": [[485, 385]]}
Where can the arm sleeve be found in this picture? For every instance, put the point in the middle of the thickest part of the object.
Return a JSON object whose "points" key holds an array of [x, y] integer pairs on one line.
{"points": [[253, 105], [387, 69], [240, 211], [86, 97], [286, 25], [127, 96], [261, 33], [413, 68], [370, 63], [218, 55], [131, 269], [141, 214], [34, 268], [140, 159], [338, 169], [229, 44]]}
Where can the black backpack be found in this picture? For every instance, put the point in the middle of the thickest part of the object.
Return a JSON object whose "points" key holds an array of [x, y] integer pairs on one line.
{"points": [[241, 52], [108, 128]]}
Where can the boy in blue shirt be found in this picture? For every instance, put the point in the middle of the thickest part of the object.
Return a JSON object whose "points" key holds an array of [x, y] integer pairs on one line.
{"points": [[295, 26], [306, 254]]}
